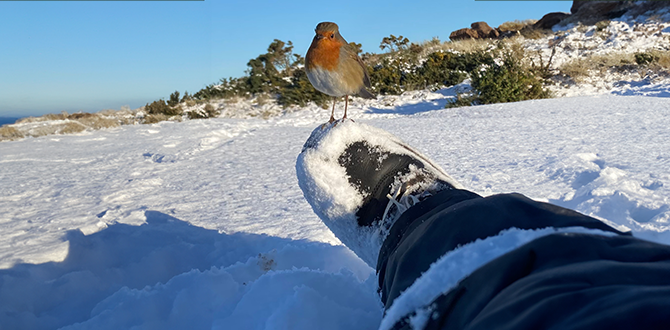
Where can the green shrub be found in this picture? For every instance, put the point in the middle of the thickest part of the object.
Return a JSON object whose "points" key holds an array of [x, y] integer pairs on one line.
{"points": [[174, 99], [645, 58], [266, 72], [396, 73], [300, 91], [448, 69], [279, 74], [357, 47], [387, 77], [226, 88], [393, 43], [211, 111], [439, 69], [510, 81], [186, 97], [160, 107], [208, 112]]}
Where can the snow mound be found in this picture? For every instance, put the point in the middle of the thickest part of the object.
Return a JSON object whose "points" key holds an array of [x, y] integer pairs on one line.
{"points": [[219, 228], [168, 274], [607, 191]]}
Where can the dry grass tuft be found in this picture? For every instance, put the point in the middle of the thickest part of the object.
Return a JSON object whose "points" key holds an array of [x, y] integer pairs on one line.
{"points": [[515, 25], [468, 45], [155, 118], [69, 127], [663, 61], [79, 115], [9, 133], [654, 60], [96, 121], [48, 117], [533, 33], [66, 127], [125, 116], [108, 112], [580, 68]]}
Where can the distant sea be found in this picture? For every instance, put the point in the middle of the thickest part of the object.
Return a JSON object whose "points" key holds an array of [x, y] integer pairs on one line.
{"points": [[7, 120]]}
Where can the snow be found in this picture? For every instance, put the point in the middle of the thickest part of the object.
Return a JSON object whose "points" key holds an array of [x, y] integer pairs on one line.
{"points": [[202, 223], [625, 35]]}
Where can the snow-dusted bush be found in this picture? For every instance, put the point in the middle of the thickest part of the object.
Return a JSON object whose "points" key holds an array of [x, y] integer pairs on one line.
{"points": [[300, 91], [510, 79], [448, 69], [208, 111], [160, 107], [653, 59]]}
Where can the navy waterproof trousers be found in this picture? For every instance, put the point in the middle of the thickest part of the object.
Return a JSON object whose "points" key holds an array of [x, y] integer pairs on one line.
{"points": [[557, 281]]}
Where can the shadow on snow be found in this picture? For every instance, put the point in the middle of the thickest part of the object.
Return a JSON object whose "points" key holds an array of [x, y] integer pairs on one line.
{"points": [[56, 294]]}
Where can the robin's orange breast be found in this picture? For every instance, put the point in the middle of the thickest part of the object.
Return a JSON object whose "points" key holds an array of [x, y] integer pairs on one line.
{"points": [[324, 53]]}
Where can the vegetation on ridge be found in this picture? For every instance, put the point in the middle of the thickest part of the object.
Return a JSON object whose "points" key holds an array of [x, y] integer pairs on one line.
{"points": [[499, 70]]}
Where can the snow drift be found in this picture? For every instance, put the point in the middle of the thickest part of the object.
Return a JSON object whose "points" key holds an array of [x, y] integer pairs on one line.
{"points": [[202, 223]]}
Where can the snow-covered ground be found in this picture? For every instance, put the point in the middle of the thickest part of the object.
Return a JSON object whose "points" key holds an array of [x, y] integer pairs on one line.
{"points": [[625, 35], [201, 224]]}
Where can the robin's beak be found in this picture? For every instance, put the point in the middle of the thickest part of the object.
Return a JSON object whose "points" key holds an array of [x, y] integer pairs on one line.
{"points": [[318, 36]]}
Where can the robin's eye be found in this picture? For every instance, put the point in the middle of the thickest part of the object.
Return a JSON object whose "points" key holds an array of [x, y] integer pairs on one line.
{"points": [[332, 36]]}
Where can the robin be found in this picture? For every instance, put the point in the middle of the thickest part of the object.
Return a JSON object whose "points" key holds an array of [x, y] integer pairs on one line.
{"points": [[334, 68]]}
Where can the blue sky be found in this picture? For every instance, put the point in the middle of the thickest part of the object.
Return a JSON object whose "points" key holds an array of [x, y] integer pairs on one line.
{"points": [[94, 55]]}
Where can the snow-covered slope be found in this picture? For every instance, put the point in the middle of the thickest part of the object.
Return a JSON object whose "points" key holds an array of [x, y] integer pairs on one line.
{"points": [[201, 224], [625, 35]]}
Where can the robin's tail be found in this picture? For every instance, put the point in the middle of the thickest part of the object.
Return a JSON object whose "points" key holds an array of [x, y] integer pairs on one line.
{"points": [[364, 93]]}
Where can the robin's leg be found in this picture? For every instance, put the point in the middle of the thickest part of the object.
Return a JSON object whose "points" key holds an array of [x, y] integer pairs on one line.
{"points": [[346, 104], [332, 113]]}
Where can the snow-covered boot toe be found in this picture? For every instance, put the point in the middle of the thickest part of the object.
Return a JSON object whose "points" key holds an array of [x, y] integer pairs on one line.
{"points": [[360, 179]]}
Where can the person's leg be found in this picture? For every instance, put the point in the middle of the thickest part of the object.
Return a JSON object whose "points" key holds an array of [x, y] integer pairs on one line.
{"points": [[447, 257], [424, 233], [557, 281]]}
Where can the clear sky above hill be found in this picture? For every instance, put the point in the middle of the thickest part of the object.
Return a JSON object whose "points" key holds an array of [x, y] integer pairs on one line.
{"points": [[94, 55]]}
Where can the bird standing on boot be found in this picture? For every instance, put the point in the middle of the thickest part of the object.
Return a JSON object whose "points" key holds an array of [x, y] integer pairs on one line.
{"points": [[334, 68]]}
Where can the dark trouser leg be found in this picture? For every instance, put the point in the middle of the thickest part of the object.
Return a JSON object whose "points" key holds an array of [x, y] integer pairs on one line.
{"points": [[552, 279]]}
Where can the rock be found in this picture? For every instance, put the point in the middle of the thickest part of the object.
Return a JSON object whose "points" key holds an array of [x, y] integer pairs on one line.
{"points": [[484, 30], [478, 30], [575, 6], [462, 34], [549, 20], [591, 12]]}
